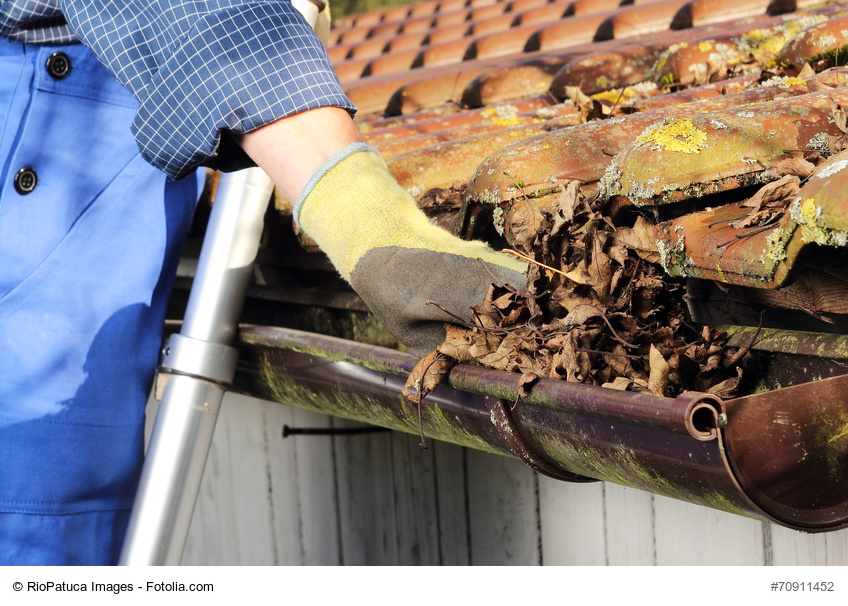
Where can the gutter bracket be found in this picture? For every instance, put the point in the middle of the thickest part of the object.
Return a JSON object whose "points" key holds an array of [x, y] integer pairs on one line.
{"points": [[503, 421]]}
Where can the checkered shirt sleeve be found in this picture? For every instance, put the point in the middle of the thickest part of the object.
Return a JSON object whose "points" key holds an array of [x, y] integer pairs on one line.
{"points": [[202, 68], [34, 21]]}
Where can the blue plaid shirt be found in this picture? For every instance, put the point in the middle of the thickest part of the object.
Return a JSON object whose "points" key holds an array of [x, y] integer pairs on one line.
{"points": [[197, 67]]}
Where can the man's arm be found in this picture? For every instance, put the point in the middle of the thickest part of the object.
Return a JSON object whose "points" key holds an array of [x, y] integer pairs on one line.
{"points": [[291, 150], [258, 72], [204, 69], [372, 229]]}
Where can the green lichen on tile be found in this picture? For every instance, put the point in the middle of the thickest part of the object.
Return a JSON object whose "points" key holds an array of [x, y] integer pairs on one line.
{"points": [[675, 135], [673, 257], [819, 142], [610, 183], [647, 86], [808, 214], [833, 57], [766, 45], [775, 250], [604, 82], [545, 113], [498, 220]]}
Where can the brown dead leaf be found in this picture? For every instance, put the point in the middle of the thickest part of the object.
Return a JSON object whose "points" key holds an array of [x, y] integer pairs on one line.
{"points": [[770, 202], [795, 166], [658, 379], [424, 378], [600, 269], [582, 314], [837, 143], [727, 388], [641, 238], [526, 380], [620, 383], [524, 222], [590, 109], [426, 375], [567, 203], [459, 341], [625, 384], [806, 72]]}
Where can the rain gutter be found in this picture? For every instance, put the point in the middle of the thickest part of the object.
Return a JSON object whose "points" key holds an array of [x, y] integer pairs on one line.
{"points": [[780, 456]]}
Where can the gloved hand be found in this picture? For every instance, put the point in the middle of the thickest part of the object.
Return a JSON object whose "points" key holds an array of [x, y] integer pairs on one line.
{"points": [[382, 243]]}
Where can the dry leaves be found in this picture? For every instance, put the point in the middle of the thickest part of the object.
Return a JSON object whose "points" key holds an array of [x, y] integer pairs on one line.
{"points": [[598, 310], [424, 378], [589, 108], [770, 202]]}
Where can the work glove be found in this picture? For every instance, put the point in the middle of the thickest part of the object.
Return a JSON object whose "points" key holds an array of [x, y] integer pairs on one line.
{"points": [[386, 248]]}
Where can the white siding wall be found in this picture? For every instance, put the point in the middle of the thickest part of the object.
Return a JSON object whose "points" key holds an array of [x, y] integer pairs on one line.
{"points": [[379, 499]]}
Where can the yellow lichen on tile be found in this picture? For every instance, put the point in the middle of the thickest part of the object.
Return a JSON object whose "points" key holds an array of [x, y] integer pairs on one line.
{"points": [[775, 246], [705, 46], [809, 211], [615, 95], [505, 121], [678, 135], [783, 82]]}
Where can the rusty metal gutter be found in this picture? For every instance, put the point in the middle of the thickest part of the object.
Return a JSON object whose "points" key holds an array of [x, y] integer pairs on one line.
{"points": [[779, 456]]}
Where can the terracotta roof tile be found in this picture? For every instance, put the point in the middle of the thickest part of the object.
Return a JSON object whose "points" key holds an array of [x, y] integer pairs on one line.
{"points": [[546, 13], [568, 32], [490, 25], [451, 18], [640, 19], [519, 6], [691, 115], [447, 33]]}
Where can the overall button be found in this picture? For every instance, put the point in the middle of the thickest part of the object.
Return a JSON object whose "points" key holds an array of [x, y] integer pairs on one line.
{"points": [[58, 65], [25, 181]]}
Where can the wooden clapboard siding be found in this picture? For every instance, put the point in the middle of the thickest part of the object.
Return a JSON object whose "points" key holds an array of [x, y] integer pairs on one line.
{"points": [[503, 511], [378, 499], [629, 526], [573, 511]]}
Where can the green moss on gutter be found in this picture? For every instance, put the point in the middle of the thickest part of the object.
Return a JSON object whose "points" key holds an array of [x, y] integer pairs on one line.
{"points": [[341, 403], [620, 465], [831, 441], [349, 404]]}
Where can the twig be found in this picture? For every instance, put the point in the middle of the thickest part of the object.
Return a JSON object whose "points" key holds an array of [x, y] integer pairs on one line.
{"points": [[452, 315], [534, 261], [736, 238], [607, 353], [714, 223], [734, 359], [620, 95], [615, 334]]}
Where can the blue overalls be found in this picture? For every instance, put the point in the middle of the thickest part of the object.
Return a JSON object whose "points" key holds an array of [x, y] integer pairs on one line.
{"points": [[90, 236]]}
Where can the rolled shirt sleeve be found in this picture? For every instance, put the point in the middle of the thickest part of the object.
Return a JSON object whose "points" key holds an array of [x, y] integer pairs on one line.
{"points": [[200, 68]]}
